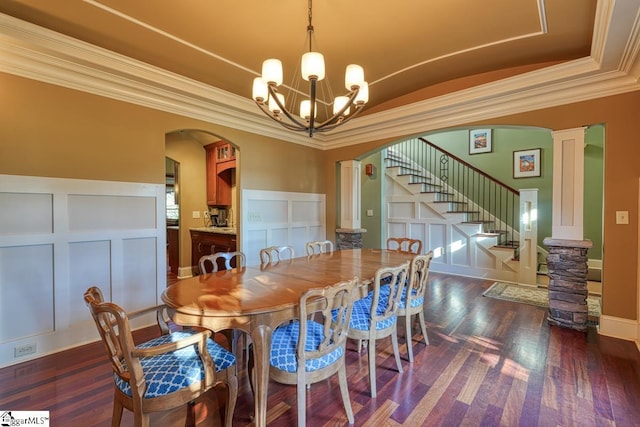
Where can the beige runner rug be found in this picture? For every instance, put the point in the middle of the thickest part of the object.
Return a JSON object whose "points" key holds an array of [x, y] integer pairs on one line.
{"points": [[533, 295]]}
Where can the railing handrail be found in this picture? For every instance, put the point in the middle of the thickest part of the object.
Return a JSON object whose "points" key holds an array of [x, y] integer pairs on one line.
{"points": [[470, 166]]}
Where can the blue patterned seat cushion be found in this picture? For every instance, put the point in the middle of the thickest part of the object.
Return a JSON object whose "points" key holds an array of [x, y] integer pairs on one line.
{"points": [[169, 372], [284, 353], [416, 302], [361, 315]]}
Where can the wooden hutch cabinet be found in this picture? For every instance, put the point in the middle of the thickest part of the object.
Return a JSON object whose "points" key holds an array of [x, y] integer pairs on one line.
{"points": [[205, 243], [221, 165]]}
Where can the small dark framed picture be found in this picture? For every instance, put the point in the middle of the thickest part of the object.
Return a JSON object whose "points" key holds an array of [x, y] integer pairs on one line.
{"points": [[480, 141], [526, 163]]}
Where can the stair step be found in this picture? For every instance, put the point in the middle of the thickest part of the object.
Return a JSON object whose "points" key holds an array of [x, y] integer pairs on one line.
{"points": [[414, 175], [497, 231], [470, 212], [454, 202], [442, 193], [509, 244]]}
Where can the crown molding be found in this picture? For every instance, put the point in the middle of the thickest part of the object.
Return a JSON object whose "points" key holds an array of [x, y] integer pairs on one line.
{"points": [[613, 67]]}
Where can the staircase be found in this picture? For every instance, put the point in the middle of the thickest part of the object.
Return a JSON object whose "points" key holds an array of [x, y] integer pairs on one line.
{"points": [[470, 220]]}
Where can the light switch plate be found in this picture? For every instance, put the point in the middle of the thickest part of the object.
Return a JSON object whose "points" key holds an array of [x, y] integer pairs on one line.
{"points": [[195, 214], [622, 217], [369, 212]]}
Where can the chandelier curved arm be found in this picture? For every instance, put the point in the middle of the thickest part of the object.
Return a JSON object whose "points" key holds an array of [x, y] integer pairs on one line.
{"points": [[338, 118], [294, 119], [328, 126], [277, 119]]}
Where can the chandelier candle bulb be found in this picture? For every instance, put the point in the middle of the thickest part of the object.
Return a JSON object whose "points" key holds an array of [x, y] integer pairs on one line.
{"points": [[260, 90], [339, 103], [312, 66], [363, 94], [305, 109], [273, 105], [272, 71], [353, 76]]}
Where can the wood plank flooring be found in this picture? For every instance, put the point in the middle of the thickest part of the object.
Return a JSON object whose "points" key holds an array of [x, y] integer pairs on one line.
{"points": [[489, 363]]}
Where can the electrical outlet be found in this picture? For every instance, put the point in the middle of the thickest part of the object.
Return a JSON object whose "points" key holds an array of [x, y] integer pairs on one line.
{"points": [[622, 217], [369, 212], [24, 350]]}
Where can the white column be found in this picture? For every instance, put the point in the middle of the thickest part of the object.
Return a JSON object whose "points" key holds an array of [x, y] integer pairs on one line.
{"points": [[568, 184], [350, 194], [528, 236]]}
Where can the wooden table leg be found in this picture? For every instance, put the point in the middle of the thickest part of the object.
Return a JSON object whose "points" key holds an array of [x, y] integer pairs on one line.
{"points": [[261, 337]]}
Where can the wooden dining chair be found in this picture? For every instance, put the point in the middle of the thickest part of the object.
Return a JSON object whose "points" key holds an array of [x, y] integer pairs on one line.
{"points": [[233, 336], [164, 373], [319, 247], [228, 257], [404, 244], [273, 254], [375, 316], [312, 347], [412, 301]]}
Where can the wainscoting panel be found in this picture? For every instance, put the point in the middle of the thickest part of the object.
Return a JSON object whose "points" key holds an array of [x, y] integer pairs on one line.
{"points": [[60, 236], [89, 265], [26, 291], [272, 218]]}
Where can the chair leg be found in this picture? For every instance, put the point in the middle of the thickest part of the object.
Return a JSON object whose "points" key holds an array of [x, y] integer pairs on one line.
{"points": [[396, 351], [301, 391], [423, 326], [408, 337], [190, 420], [344, 391], [116, 417], [232, 397], [372, 367], [140, 420]]}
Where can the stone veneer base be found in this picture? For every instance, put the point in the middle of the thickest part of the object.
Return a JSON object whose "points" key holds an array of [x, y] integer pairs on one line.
{"points": [[349, 238], [568, 269]]}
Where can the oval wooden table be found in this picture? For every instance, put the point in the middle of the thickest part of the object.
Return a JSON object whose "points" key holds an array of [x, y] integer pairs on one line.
{"points": [[257, 299]]}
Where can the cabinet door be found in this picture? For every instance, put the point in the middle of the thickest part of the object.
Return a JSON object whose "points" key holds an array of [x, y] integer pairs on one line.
{"points": [[224, 180]]}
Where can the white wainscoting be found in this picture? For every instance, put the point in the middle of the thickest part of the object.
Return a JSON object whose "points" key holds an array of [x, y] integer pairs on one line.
{"points": [[274, 218], [60, 236]]}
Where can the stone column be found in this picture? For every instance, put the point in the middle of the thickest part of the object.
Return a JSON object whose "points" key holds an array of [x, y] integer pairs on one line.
{"points": [[567, 259], [349, 238], [567, 264]]}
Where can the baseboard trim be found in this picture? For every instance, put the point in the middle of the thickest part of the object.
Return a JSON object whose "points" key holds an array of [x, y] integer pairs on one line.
{"points": [[185, 272], [617, 327]]}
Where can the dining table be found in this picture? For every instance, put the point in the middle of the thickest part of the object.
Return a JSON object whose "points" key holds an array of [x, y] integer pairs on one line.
{"points": [[256, 299]]}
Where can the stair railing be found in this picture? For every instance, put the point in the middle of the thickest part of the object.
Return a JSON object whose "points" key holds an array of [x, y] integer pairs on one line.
{"points": [[482, 198]]}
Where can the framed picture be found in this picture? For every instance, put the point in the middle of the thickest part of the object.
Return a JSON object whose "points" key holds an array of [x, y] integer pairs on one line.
{"points": [[526, 163], [480, 141]]}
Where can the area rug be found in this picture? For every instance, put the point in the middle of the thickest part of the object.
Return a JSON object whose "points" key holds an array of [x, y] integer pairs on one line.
{"points": [[533, 295]]}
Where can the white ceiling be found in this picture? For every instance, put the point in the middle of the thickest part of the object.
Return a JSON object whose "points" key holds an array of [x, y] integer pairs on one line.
{"points": [[430, 64]]}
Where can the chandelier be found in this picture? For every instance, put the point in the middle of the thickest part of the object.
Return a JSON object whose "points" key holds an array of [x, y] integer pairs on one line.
{"points": [[272, 102]]}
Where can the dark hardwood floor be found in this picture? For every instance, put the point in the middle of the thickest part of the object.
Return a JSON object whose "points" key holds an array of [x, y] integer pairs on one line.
{"points": [[489, 362]]}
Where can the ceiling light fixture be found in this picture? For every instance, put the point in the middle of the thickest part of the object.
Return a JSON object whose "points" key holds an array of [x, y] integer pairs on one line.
{"points": [[272, 102]]}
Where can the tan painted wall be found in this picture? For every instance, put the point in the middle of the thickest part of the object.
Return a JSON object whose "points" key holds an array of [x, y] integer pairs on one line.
{"points": [[621, 115], [51, 131]]}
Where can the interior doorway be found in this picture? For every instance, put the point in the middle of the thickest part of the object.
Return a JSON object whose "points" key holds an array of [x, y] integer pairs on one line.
{"points": [[172, 203]]}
